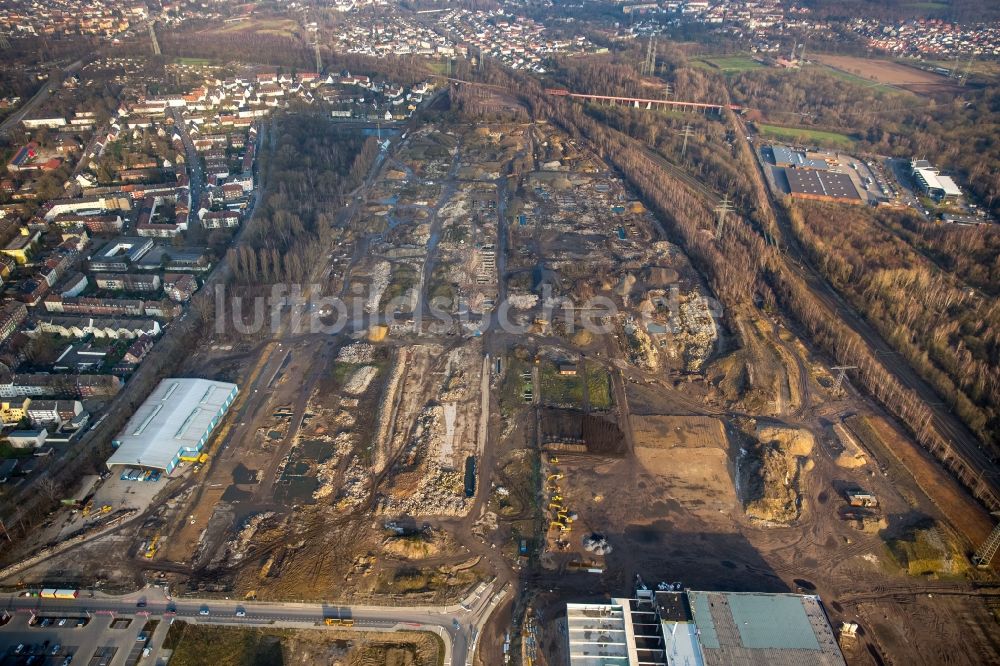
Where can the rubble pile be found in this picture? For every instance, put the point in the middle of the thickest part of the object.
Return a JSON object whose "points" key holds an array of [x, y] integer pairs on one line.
{"points": [[326, 472], [380, 276], [597, 544], [439, 492], [354, 489], [696, 333], [523, 301], [360, 380], [771, 473], [236, 548], [358, 352]]}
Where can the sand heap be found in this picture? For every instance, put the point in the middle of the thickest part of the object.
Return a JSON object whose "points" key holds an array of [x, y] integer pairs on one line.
{"points": [[771, 473]]}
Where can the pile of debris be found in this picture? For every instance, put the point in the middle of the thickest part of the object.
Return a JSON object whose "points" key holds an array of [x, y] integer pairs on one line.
{"points": [[697, 332], [358, 352], [439, 492], [380, 275], [236, 548], [360, 380], [597, 544]]}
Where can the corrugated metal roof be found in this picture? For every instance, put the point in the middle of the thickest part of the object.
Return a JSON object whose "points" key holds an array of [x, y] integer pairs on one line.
{"points": [[176, 416], [772, 621]]}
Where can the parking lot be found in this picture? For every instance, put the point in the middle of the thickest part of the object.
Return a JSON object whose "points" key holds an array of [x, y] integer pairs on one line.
{"points": [[98, 640]]}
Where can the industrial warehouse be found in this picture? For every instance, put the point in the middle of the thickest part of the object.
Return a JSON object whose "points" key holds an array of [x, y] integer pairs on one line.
{"points": [[173, 424], [692, 628], [821, 186]]}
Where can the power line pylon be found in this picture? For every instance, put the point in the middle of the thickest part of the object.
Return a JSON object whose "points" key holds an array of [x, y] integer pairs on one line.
{"points": [[840, 376], [722, 209], [984, 554], [687, 133]]}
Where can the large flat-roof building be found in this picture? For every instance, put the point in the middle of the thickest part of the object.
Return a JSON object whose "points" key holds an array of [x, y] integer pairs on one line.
{"points": [[693, 628], [173, 424], [786, 157], [932, 182], [821, 186]]}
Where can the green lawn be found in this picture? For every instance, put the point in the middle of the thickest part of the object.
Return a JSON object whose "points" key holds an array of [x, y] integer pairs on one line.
{"points": [[192, 61], [568, 390], [732, 64], [803, 135]]}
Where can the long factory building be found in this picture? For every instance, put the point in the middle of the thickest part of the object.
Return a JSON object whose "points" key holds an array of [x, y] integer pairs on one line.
{"points": [[692, 628], [173, 424]]}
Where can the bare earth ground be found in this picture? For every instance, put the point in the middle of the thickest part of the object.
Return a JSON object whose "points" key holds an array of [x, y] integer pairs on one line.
{"points": [[197, 645], [890, 73]]}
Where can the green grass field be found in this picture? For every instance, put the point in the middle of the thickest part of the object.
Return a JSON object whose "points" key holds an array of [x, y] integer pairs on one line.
{"points": [[732, 64], [591, 384], [926, 6], [803, 135], [193, 61]]}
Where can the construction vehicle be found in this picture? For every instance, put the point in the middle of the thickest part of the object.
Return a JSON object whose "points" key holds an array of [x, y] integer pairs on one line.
{"points": [[106, 508], [555, 505], [560, 526], [554, 477], [152, 548]]}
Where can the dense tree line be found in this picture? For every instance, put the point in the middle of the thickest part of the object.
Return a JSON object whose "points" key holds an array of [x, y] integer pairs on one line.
{"points": [[971, 253], [957, 134], [741, 267], [312, 167], [950, 335]]}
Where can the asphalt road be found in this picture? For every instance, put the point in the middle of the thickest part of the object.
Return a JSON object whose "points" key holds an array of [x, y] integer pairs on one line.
{"points": [[457, 625], [55, 80]]}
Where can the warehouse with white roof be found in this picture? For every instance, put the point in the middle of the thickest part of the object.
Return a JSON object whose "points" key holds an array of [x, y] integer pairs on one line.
{"points": [[173, 424], [932, 182]]}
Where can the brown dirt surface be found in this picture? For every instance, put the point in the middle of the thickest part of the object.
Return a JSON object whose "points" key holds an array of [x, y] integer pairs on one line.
{"points": [[964, 513], [890, 73], [690, 454], [198, 645], [938, 630]]}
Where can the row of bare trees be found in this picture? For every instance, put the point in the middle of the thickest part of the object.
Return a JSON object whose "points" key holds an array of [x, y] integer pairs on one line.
{"points": [[741, 266], [949, 334]]}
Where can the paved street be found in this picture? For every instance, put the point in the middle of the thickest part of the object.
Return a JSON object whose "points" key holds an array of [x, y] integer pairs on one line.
{"points": [[457, 625]]}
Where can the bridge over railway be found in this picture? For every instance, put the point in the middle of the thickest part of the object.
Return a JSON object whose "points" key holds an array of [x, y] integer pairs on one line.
{"points": [[645, 103], [635, 102]]}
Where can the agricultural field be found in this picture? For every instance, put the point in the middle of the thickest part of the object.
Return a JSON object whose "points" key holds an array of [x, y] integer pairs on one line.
{"points": [[889, 73]]}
